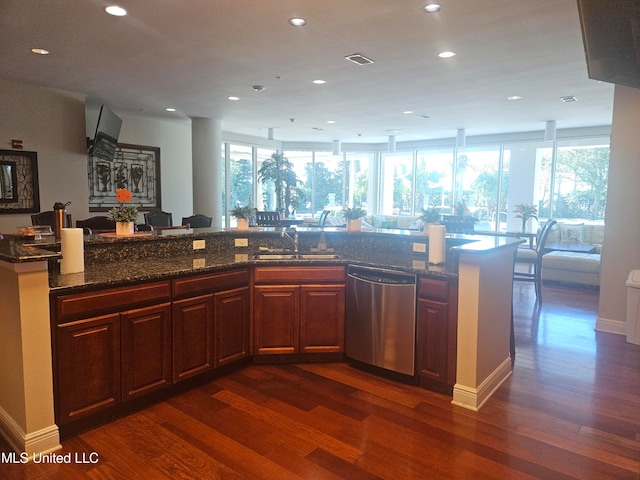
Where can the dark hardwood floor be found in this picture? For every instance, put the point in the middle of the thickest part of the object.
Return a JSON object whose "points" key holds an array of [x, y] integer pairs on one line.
{"points": [[571, 409]]}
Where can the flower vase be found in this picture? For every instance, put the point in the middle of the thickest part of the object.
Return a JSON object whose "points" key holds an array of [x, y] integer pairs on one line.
{"points": [[124, 228], [354, 225], [243, 224]]}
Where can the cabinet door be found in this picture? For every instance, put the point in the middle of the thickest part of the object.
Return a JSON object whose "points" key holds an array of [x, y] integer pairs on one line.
{"points": [[146, 350], [87, 367], [276, 319], [432, 336], [192, 336], [231, 326], [322, 318]]}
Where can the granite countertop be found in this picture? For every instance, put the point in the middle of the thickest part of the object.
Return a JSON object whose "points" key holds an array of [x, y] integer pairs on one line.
{"points": [[122, 273], [162, 267]]}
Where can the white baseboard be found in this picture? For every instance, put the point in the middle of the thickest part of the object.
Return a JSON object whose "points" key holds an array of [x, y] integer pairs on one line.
{"points": [[45, 440], [474, 398], [611, 326]]}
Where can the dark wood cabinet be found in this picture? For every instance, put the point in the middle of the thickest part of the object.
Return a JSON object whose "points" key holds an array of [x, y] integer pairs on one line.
{"points": [[436, 333], [87, 367], [322, 318], [295, 312], [145, 350], [192, 336], [211, 322], [232, 326], [276, 318], [109, 345]]}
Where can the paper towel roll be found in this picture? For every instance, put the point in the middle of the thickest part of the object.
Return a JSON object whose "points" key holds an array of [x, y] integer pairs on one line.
{"points": [[437, 244], [72, 248]]}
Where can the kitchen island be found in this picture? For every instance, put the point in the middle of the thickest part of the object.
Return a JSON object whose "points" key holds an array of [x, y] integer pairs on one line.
{"points": [[31, 278]]}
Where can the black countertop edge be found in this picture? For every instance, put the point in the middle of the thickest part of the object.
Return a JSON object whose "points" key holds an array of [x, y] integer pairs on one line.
{"points": [[126, 273]]}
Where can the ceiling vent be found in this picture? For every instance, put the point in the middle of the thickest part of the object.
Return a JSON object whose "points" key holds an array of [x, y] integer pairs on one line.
{"points": [[569, 99], [359, 59]]}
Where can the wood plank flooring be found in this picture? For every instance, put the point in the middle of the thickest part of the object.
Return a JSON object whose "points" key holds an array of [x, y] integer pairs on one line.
{"points": [[570, 410]]}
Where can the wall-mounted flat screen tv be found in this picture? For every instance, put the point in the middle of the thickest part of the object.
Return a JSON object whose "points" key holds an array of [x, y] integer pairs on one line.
{"points": [[105, 140], [611, 36]]}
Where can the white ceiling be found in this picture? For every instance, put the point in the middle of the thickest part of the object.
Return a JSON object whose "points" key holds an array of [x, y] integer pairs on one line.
{"points": [[192, 55]]}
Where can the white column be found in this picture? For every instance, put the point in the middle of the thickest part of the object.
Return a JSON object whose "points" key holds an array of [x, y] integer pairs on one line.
{"points": [[26, 396], [485, 286], [206, 136]]}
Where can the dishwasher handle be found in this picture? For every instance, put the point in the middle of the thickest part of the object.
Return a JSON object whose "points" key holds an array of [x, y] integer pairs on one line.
{"points": [[382, 277]]}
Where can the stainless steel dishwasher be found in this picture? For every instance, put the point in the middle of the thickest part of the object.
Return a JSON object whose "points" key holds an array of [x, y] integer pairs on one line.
{"points": [[380, 324]]}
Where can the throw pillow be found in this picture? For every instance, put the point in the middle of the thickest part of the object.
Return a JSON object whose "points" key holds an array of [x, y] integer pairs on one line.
{"points": [[572, 233]]}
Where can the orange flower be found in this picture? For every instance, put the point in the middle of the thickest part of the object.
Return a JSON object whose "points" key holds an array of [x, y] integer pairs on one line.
{"points": [[123, 195]]}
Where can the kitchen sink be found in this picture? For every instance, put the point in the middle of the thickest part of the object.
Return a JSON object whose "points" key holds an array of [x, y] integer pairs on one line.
{"points": [[300, 256]]}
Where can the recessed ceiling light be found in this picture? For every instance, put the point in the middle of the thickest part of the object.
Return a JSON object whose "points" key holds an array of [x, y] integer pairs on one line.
{"points": [[432, 8], [169, 109], [331, 121], [40, 51], [319, 82], [407, 112], [233, 98], [297, 22], [514, 97], [569, 98], [447, 54], [116, 11]]}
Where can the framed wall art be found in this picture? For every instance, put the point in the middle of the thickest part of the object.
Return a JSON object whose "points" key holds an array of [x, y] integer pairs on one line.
{"points": [[19, 190], [134, 167]]}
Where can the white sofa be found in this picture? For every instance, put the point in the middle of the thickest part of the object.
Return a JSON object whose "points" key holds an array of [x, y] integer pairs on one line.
{"points": [[392, 221], [571, 267]]}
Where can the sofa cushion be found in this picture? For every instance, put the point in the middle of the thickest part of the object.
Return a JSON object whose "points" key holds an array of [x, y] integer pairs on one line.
{"points": [[405, 222], [572, 261], [572, 232]]}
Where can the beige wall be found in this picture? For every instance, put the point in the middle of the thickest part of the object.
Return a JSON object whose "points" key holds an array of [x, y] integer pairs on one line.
{"points": [[621, 252], [51, 123]]}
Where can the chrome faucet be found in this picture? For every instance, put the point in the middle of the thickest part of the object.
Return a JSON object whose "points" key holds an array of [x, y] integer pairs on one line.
{"points": [[293, 239]]}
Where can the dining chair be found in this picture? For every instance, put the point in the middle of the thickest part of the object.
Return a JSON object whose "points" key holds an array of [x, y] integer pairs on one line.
{"points": [[158, 218], [266, 219], [96, 224], [197, 220], [323, 217], [534, 273], [47, 218]]}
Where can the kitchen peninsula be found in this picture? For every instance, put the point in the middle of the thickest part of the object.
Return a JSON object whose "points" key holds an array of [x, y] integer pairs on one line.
{"points": [[137, 287]]}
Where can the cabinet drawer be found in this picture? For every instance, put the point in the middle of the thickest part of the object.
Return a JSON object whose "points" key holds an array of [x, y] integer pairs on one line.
{"points": [[299, 274], [110, 300], [209, 283], [433, 288]]}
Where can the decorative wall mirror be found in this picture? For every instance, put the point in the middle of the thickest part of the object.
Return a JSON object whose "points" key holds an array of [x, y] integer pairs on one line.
{"points": [[8, 181], [19, 191]]}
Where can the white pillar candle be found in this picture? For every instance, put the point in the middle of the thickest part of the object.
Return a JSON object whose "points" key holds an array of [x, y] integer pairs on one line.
{"points": [[437, 244], [72, 249]]}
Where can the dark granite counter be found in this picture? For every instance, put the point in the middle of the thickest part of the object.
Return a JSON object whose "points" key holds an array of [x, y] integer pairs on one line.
{"points": [[114, 261]]}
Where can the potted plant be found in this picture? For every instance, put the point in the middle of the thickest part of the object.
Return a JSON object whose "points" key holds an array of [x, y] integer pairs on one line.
{"points": [[353, 216], [124, 215], [242, 213], [525, 212], [429, 216]]}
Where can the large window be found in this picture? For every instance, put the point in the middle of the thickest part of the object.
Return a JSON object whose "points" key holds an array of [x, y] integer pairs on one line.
{"points": [[580, 181], [565, 180], [396, 184]]}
